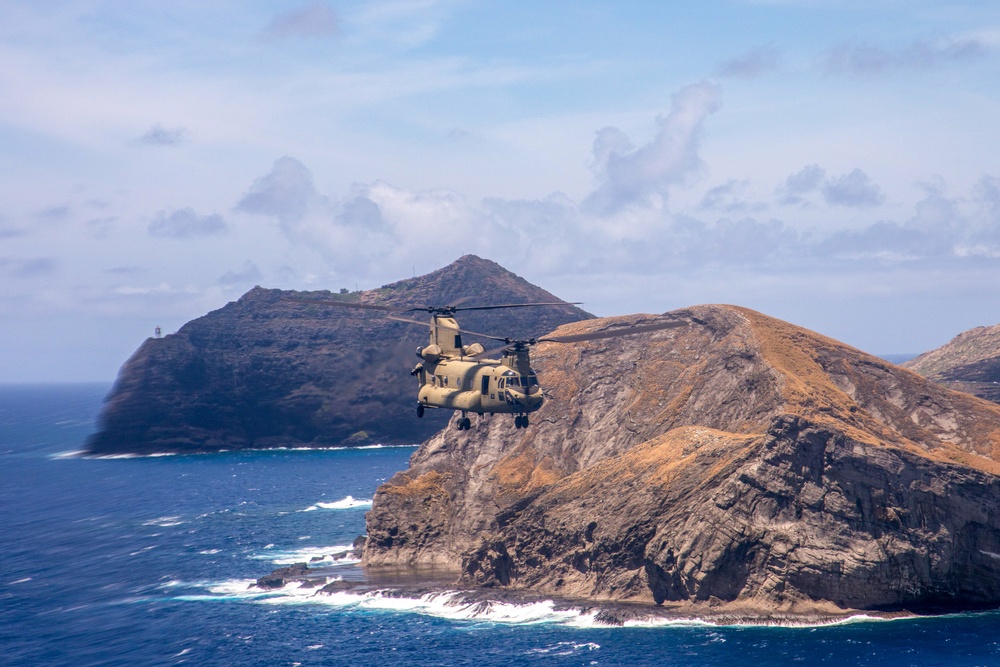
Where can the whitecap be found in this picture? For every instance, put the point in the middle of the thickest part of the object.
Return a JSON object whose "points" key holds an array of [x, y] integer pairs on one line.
{"points": [[59, 456], [323, 555], [164, 522], [346, 503]]}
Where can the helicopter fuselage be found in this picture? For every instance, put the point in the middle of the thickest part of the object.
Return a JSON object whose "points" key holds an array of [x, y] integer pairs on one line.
{"points": [[451, 377]]}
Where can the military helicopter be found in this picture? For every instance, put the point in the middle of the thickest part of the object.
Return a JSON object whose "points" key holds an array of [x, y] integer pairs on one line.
{"points": [[460, 377]]}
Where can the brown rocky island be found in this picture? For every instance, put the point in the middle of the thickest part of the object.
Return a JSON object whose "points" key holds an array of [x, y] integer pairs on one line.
{"points": [[738, 465]]}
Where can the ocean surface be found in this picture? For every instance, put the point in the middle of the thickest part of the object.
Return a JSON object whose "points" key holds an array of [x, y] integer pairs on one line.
{"points": [[147, 561]]}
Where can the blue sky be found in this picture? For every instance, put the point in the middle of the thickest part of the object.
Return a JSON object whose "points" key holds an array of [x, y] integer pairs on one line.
{"points": [[829, 163]]}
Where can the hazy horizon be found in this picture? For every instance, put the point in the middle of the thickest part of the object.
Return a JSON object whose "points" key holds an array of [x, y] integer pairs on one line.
{"points": [[830, 163]]}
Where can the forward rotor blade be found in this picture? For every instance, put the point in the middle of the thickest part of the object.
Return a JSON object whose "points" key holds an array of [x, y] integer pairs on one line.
{"points": [[344, 304], [397, 318], [522, 305], [614, 333]]}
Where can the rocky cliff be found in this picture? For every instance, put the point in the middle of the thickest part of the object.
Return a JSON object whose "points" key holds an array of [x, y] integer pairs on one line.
{"points": [[970, 362], [739, 462], [266, 371]]}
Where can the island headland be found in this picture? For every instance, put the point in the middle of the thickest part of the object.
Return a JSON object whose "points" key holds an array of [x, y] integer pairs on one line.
{"points": [[737, 465], [270, 371], [969, 362]]}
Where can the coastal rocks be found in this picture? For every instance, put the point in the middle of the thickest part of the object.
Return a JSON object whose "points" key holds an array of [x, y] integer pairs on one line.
{"points": [[283, 576], [970, 362], [736, 464], [270, 371]]}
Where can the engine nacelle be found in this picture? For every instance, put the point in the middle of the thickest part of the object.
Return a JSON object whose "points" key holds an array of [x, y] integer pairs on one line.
{"points": [[473, 350], [430, 353]]}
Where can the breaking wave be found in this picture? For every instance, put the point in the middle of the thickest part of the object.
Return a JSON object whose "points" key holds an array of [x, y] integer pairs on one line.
{"points": [[346, 503], [335, 555], [457, 606]]}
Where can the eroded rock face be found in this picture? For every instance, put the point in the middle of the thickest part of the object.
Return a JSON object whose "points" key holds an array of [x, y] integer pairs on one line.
{"points": [[739, 460], [266, 371], [970, 362]]}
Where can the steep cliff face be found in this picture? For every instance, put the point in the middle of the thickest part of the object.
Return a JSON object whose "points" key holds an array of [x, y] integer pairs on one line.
{"points": [[266, 371], [970, 362], [739, 461]]}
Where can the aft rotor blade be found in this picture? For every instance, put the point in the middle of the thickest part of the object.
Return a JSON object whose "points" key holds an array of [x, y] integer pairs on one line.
{"points": [[522, 305], [343, 304], [614, 333], [397, 318], [489, 353]]}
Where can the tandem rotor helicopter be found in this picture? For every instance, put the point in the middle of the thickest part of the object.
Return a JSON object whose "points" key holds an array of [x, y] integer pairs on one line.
{"points": [[454, 376]]}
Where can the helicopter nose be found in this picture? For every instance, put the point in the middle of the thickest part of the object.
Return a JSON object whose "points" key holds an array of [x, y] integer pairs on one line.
{"points": [[530, 399]]}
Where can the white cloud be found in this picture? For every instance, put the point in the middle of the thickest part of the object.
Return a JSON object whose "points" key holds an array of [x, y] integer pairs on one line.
{"points": [[642, 176], [855, 189]]}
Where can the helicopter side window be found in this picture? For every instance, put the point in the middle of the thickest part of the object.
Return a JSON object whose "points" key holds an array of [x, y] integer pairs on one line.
{"points": [[445, 380], [486, 385]]}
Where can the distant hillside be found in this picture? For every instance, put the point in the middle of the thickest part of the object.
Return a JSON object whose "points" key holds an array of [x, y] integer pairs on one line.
{"points": [[970, 362], [265, 371]]}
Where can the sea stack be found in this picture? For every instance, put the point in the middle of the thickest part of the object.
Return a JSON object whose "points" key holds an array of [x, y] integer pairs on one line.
{"points": [[738, 463], [270, 371]]}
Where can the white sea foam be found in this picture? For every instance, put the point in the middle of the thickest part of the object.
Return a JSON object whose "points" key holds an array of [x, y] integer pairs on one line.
{"points": [[164, 522], [346, 503], [58, 456], [565, 648], [453, 605], [322, 555]]}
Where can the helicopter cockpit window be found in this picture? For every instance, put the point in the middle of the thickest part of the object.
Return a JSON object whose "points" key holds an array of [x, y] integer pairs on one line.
{"points": [[500, 383], [529, 381]]}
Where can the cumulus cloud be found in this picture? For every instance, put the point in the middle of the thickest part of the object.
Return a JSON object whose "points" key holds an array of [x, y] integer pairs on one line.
{"points": [[317, 20], [158, 135], [287, 192], [185, 223], [751, 64], [855, 189], [624, 226], [865, 58], [376, 222], [730, 197], [801, 183], [642, 176]]}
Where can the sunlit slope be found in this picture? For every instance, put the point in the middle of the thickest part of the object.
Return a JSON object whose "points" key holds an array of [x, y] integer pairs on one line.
{"points": [[740, 460]]}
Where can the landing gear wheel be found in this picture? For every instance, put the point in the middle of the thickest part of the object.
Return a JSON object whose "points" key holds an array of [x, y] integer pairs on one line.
{"points": [[464, 424], [420, 410], [521, 421]]}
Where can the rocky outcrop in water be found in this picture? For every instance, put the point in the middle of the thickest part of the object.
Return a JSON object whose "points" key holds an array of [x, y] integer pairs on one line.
{"points": [[970, 362], [737, 463], [266, 371]]}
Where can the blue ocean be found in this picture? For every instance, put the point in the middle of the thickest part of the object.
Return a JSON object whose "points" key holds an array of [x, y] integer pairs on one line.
{"points": [[147, 561]]}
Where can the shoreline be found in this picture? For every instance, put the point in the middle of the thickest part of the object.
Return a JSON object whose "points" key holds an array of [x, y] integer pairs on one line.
{"points": [[416, 584]]}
